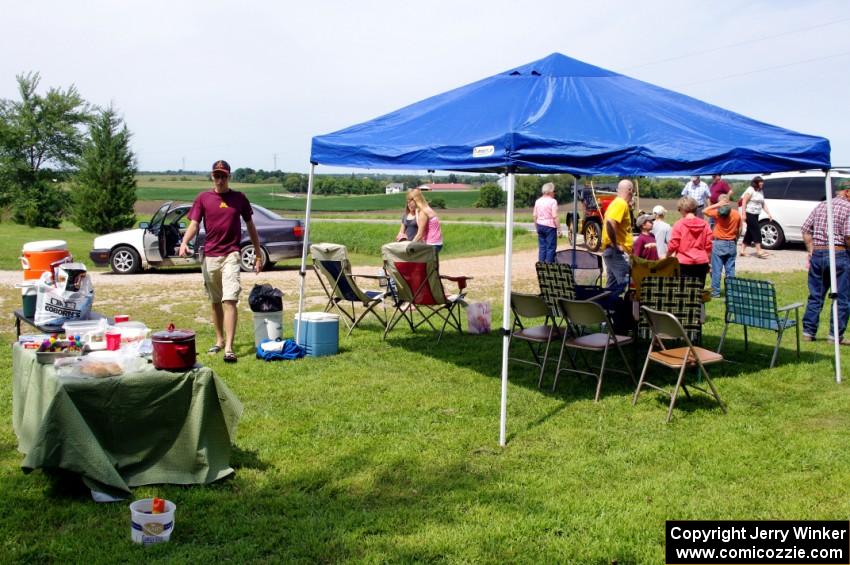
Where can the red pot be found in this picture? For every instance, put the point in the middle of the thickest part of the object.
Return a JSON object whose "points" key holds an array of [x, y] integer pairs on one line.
{"points": [[174, 350]]}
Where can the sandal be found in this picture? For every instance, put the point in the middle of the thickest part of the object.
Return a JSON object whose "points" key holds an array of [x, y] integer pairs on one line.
{"points": [[229, 357], [214, 349], [763, 255]]}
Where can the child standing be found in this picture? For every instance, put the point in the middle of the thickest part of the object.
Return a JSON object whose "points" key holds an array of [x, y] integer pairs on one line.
{"points": [[645, 246]]}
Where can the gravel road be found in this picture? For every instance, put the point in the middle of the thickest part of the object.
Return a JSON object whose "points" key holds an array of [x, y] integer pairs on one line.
{"points": [[489, 269]]}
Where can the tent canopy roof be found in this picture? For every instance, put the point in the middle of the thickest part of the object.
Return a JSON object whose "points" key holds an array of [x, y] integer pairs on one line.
{"points": [[562, 115]]}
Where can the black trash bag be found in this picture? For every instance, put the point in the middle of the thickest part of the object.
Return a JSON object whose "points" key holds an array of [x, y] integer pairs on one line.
{"points": [[265, 298]]}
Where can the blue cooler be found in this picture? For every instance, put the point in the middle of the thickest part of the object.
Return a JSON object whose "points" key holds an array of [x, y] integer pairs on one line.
{"points": [[319, 333]]}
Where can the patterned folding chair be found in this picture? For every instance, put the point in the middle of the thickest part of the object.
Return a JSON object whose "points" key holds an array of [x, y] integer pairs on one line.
{"points": [[332, 267], [557, 282], [665, 326], [752, 303], [681, 297], [584, 313], [538, 338], [415, 270]]}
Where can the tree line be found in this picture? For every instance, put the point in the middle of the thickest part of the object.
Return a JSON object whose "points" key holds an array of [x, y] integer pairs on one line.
{"points": [[296, 183], [61, 157], [527, 188]]}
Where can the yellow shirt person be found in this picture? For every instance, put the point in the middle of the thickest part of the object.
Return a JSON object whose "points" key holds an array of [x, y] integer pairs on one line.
{"points": [[620, 212]]}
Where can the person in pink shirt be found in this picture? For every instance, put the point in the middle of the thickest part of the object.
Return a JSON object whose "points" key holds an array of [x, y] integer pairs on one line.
{"points": [[429, 230], [690, 241], [547, 224]]}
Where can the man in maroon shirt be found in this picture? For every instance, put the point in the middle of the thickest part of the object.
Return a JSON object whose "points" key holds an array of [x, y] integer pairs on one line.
{"points": [[718, 187], [221, 209]]}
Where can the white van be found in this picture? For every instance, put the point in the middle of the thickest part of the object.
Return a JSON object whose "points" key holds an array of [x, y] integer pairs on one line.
{"points": [[791, 197]]}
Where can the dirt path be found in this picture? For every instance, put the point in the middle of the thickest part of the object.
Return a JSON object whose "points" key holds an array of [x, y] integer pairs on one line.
{"points": [[489, 269]]}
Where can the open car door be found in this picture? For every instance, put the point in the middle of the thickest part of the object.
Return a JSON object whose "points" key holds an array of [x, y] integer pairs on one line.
{"points": [[171, 235], [153, 230]]}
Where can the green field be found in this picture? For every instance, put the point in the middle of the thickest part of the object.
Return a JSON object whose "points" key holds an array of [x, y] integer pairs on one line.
{"points": [[363, 240], [388, 452], [262, 195]]}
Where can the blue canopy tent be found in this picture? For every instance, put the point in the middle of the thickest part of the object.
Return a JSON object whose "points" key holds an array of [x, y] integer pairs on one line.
{"points": [[560, 115]]}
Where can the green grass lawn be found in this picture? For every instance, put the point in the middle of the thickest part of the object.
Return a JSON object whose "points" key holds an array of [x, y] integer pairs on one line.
{"points": [[388, 452], [13, 237]]}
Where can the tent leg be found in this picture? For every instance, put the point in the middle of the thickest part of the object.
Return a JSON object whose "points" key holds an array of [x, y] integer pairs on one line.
{"points": [[303, 271], [574, 235], [506, 305], [833, 284]]}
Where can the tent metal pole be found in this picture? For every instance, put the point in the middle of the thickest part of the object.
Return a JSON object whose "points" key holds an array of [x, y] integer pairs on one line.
{"points": [[303, 271], [574, 235], [506, 305], [833, 284]]}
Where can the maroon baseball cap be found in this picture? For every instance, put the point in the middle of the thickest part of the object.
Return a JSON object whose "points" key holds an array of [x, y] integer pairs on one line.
{"points": [[221, 166]]}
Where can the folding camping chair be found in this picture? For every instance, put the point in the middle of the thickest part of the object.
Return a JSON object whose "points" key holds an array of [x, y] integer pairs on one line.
{"points": [[415, 270], [330, 262], [665, 326], [538, 338]]}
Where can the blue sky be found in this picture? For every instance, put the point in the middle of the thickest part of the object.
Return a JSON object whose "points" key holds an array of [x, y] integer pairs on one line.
{"points": [[246, 81]]}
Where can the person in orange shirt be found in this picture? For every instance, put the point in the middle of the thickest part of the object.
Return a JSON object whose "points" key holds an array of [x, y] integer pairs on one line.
{"points": [[727, 228]]}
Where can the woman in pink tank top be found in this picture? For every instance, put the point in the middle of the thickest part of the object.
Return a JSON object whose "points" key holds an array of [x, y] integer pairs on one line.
{"points": [[429, 224]]}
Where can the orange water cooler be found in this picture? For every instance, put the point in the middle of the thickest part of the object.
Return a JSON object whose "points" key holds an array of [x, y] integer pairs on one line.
{"points": [[38, 257]]}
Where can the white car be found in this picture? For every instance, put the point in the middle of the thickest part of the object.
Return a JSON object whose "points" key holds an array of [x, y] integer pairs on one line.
{"points": [[791, 197], [156, 243]]}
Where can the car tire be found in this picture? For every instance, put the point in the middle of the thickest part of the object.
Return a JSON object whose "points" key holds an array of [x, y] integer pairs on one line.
{"points": [[592, 233], [246, 258], [125, 261], [772, 236]]}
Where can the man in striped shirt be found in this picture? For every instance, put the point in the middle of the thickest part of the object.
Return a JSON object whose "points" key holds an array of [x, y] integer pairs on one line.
{"points": [[699, 191], [816, 237]]}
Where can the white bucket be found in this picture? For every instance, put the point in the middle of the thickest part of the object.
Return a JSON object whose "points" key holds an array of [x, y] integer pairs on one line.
{"points": [[147, 528], [267, 325]]}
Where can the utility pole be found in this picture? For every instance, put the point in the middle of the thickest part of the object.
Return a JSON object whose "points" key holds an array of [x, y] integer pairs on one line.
{"points": [[183, 168], [275, 162]]}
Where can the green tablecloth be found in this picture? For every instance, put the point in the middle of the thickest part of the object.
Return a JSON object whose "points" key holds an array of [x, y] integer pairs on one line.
{"points": [[121, 432]]}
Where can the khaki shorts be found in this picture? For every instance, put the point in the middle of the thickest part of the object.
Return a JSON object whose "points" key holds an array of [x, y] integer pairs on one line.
{"points": [[221, 277]]}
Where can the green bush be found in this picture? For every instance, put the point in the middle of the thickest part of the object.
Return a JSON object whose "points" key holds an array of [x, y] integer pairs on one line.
{"points": [[438, 203], [40, 205], [490, 196]]}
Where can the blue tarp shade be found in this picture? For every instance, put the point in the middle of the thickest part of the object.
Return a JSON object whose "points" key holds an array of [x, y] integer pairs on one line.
{"points": [[561, 115]]}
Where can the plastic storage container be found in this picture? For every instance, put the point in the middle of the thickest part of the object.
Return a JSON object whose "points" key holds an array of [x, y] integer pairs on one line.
{"points": [[267, 325], [319, 333], [147, 528], [91, 332]]}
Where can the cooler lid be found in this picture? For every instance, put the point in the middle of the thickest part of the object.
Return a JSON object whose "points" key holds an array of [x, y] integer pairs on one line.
{"points": [[46, 245]]}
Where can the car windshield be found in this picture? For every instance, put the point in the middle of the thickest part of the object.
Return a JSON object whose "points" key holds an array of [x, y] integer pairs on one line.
{"points": [[266, 212]]}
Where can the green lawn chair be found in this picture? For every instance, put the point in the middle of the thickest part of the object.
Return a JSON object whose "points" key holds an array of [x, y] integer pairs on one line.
{"points": [[752, 303]]}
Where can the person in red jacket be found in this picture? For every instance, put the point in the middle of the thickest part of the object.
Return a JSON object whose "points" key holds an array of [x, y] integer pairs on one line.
{"points": [[690, 241]]}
